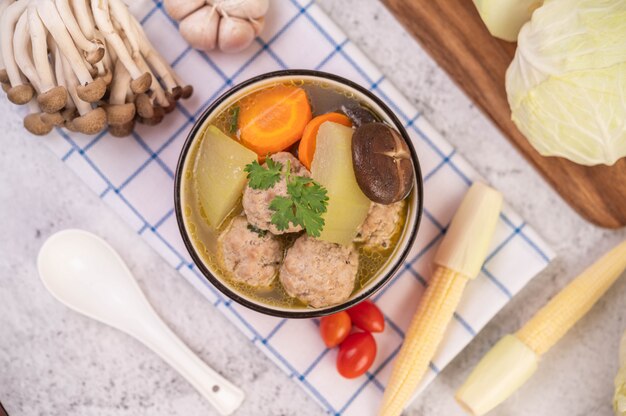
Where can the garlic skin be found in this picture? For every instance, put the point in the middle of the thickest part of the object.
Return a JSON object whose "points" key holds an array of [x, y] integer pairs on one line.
{"points": [[179, 9], [228, 25], [235, 34], [200, 28], [247, 9]]}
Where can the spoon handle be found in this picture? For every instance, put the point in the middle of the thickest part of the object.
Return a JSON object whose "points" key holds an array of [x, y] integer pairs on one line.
{"points": [[156, 335]]}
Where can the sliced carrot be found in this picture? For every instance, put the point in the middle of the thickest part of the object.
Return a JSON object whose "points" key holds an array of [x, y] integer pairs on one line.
{"points": [[273, 119], [306, 150]]}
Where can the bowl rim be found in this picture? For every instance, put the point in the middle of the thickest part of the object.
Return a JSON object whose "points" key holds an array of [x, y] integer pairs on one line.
{"points": [[265, 309]]}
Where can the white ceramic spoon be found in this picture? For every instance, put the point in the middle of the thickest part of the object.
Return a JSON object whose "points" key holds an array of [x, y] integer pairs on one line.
{"points": [[85, 273]]}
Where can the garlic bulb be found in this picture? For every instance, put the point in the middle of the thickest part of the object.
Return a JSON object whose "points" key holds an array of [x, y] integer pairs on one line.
{"points": [[229, 25]]}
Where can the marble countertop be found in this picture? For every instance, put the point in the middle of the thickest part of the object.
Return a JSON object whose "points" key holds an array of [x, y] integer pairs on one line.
{"points": [[56, 362]]}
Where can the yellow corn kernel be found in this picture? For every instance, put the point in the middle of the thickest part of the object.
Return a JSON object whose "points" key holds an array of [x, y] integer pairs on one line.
{"points": [[423, 337], [572, 303]]}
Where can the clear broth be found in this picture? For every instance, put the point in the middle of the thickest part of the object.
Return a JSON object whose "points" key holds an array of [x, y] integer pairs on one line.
{"points": [[323, 99]]}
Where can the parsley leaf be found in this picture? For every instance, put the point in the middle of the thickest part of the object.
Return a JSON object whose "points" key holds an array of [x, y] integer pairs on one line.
{"points": [[305, 205], [284, 213], [261, 177]]}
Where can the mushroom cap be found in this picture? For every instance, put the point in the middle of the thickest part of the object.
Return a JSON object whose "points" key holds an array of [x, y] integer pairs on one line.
{"points": [[55, 119], [69, 114], [200, 28], [21, 94], [235, 34], [69, 124], [177, 92], [359, 114], [6, 87], [145, 109], [4, 77], [187, 92], [122, 130], [108, 76], [91, 123], [382, 163], [34, 124], [96, 55], [120, 113], [93, 91], [53, 100], [141, 84], [172, 103], [159, 114]]}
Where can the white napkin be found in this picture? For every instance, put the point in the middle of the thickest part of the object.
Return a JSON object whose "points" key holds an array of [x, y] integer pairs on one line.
{"points": [[135, 177]]}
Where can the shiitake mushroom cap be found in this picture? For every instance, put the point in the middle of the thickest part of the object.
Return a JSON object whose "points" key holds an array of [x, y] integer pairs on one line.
{"points": [[359, 114], [382, 163]]}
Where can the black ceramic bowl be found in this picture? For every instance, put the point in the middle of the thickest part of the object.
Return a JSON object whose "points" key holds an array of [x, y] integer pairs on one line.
{"points": [[415, 200]]}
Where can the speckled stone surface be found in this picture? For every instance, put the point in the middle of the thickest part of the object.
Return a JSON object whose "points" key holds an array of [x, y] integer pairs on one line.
{"points": [[55, 362]]}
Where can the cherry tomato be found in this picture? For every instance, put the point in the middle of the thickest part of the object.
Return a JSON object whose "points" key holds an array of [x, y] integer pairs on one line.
{"points": [[335, 328], [356, 354], [367, 316]]}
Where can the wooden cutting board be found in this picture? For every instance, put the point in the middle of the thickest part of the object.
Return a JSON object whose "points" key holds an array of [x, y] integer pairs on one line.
{"points": [[452, 32]]}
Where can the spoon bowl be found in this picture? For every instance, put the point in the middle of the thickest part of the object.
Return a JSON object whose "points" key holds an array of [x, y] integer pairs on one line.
{"points": [[86, 274]]}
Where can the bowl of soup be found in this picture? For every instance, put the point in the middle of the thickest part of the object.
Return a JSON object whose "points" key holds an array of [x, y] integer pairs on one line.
{"points": [[298, 193]]}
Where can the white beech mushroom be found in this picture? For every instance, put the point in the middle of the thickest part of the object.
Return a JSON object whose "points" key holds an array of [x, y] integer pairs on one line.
{"points": [[34, 123], [120, 114], [88, 89], [93, 49], [4, 78], [51, 98], [90, 120], [230, 25], [140, 80], [20, 90], [165, 72], [83, 65], [24, 61]]}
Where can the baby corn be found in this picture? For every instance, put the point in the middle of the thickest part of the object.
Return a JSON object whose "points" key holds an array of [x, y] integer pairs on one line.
{"points": [[515, 357], [458, 259]]}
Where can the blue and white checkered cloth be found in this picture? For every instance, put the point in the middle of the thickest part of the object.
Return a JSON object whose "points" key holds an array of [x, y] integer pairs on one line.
{"points": [[135, 177]]}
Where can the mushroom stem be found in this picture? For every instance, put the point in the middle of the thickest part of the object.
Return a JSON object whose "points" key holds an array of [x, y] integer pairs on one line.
{"points": [[21, 42], [156, 61], [53, 22], [100, 10], [20, 92], [51, 98], [119, 14], [59, 74], [93, 50], [84, 18], [3, 5], [119, 84], [40, 48], [90, 120]]}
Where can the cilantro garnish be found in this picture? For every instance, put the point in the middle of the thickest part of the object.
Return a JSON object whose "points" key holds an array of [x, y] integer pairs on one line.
{"points": [[261, 177], [304, 204]]}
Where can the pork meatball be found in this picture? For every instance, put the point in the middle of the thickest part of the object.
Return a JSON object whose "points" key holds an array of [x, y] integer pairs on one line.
{"points": [[319, 273], [379, 226], [256, 202], [250, 257]]}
